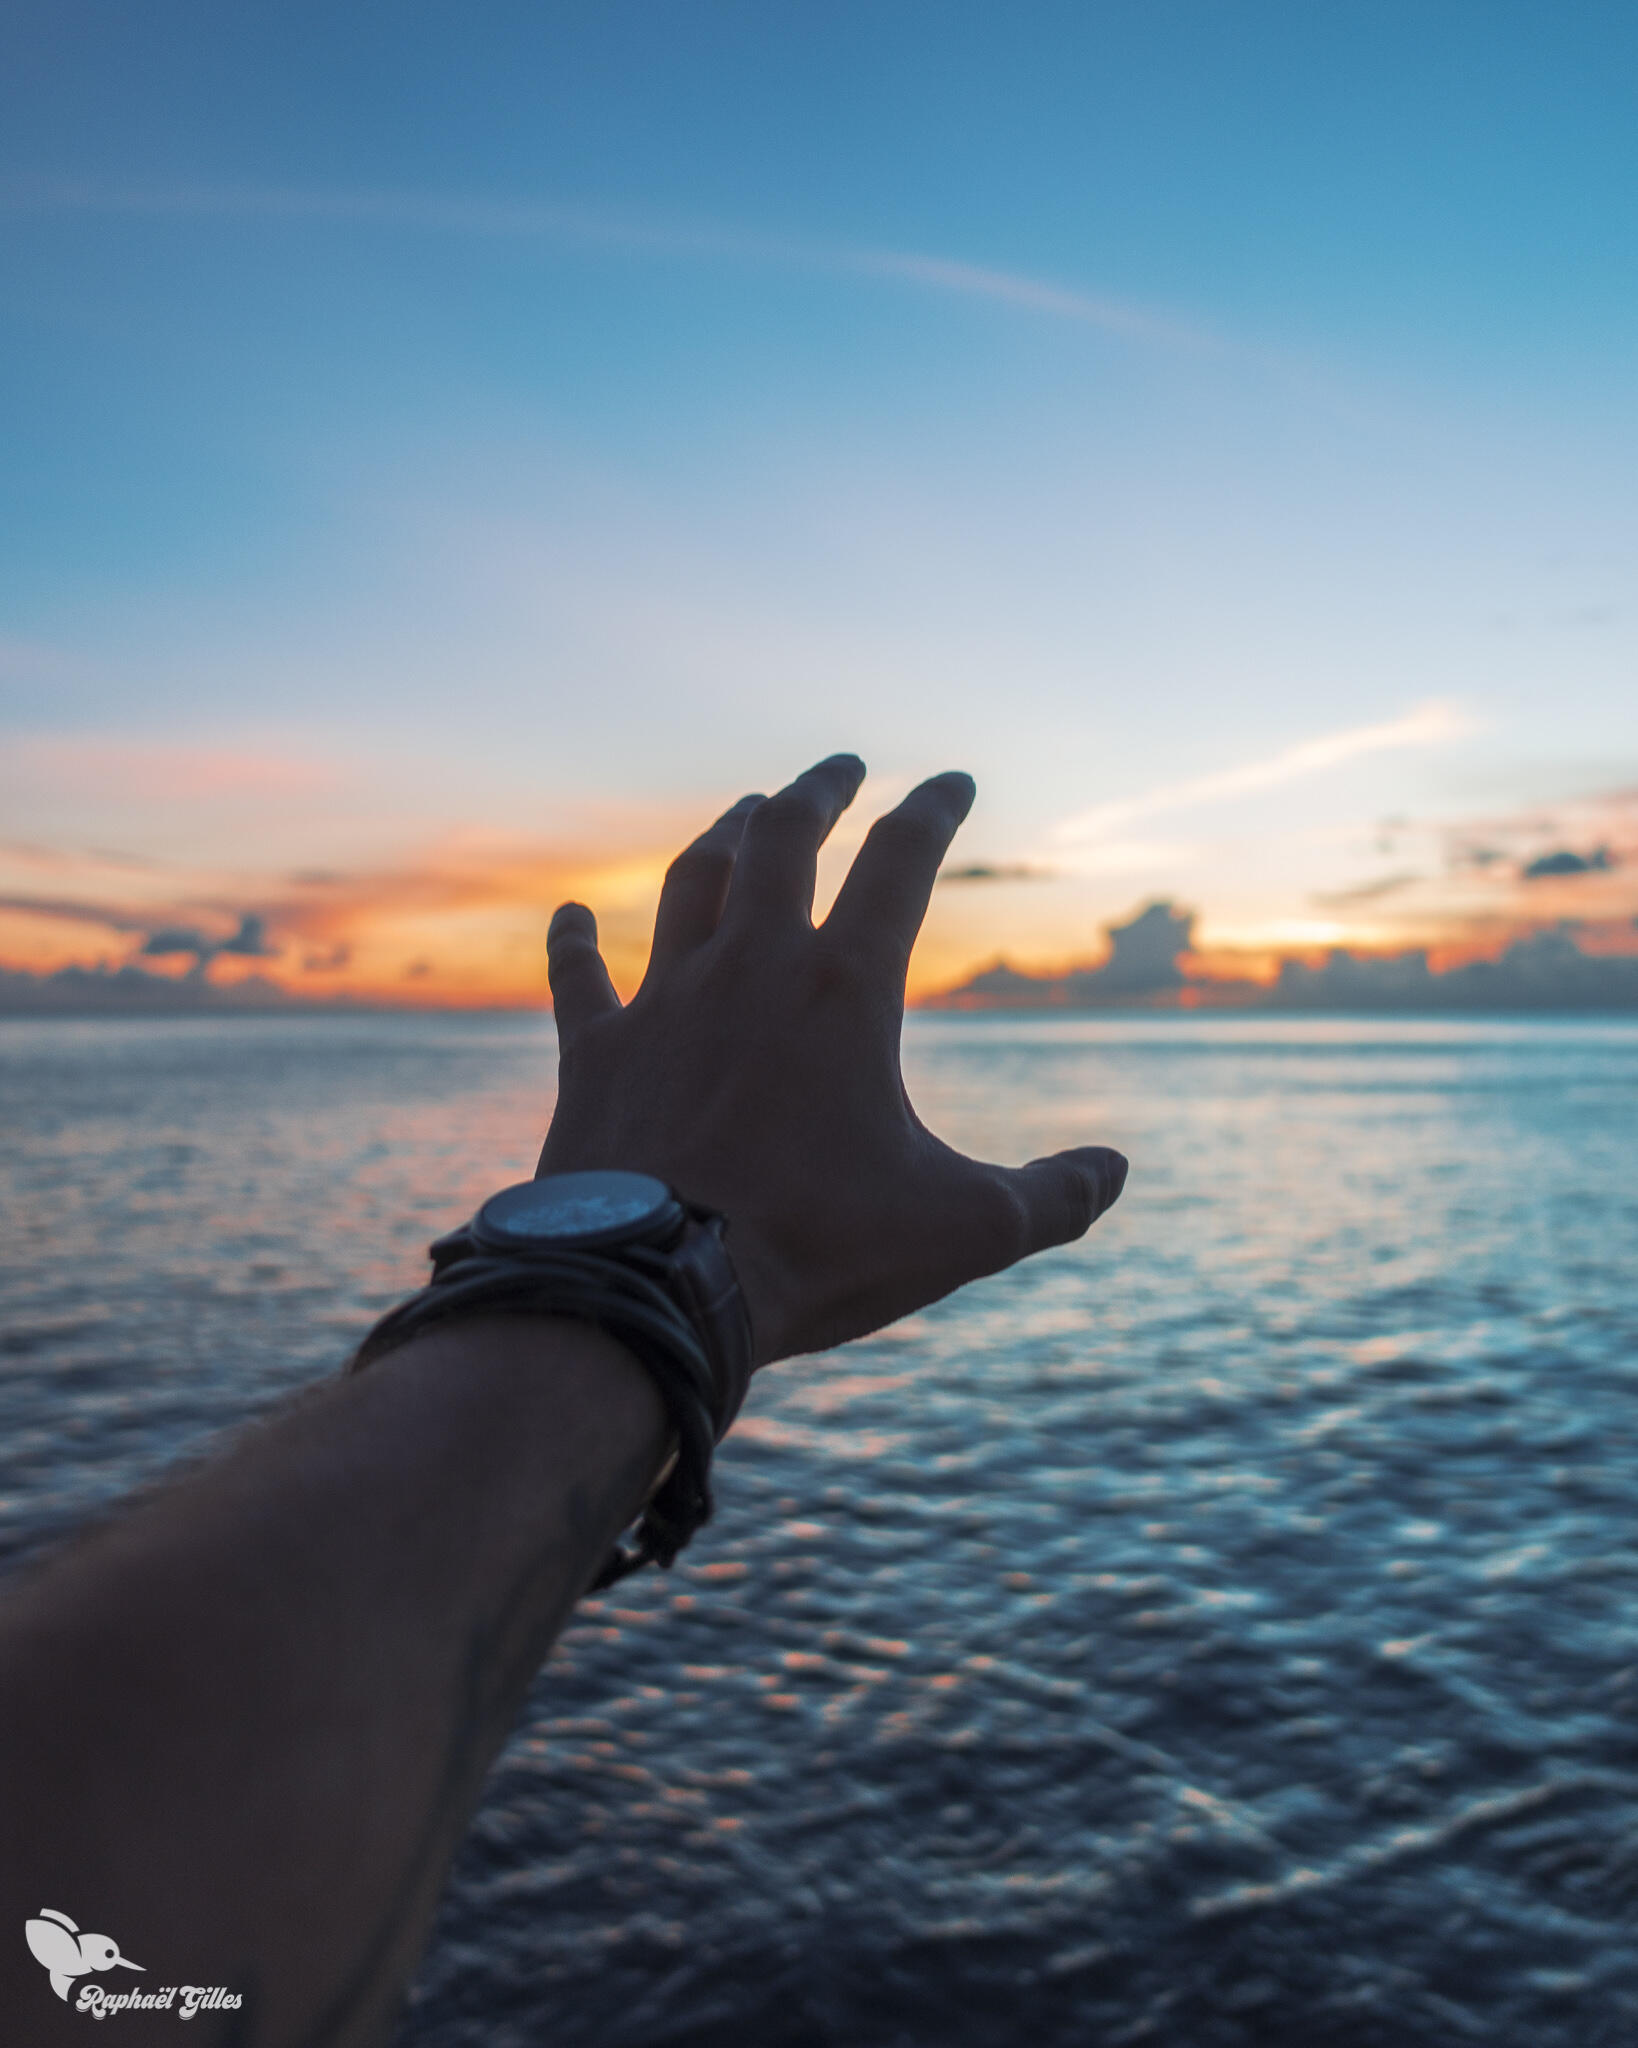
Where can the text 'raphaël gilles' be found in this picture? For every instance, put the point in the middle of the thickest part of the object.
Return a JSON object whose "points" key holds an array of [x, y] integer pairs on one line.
{"points": [[183, 1999]]}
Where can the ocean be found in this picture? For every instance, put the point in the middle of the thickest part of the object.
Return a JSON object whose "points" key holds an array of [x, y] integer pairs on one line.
{"points": [[1221, 1631]]}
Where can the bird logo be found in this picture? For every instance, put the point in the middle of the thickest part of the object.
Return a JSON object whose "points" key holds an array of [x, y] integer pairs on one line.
{"points": [[58, 1944]]}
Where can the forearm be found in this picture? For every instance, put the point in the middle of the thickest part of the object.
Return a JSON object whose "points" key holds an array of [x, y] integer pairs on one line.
{"points": [[247, 1723]]}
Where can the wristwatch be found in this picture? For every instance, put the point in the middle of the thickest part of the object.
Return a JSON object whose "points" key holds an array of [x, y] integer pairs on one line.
{"points": [[632, 1221]]}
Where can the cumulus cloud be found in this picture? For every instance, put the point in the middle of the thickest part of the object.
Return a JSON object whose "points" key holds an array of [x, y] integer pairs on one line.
{"points": [[1143, 966], [1143, 955], [1545, 970], [248, 942], [1542, 971]]}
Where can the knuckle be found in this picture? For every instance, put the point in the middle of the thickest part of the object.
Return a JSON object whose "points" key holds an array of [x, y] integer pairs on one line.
{"points": [[1003, 1219], [700, 863], [848, 969], [909, 833], [791, 810]]}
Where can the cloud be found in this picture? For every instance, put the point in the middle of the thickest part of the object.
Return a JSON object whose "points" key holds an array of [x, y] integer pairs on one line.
{"points": [[172, 940], [1143, 955], [1031, 295], [250, 940], [1546, 970], [1566, 862], [552, 220], [75, 910], [1543, 970], [476, 905], [1428, 725], [1142, 967], [162, 938], [127, 990], [330, 962], [982, 871]]}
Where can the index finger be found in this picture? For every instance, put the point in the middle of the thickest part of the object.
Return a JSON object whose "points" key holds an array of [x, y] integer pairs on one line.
{"points": [[885, 897]]}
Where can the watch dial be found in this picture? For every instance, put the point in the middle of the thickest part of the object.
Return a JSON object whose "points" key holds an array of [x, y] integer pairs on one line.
{"points": [[574, 1209]]}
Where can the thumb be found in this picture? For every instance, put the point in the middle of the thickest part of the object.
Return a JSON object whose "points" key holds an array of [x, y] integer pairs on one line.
{"points": [[580, 983], [1063, 1195]]}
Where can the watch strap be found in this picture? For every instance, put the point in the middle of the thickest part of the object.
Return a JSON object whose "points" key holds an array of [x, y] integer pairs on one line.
{"points": [[707, 1287]]}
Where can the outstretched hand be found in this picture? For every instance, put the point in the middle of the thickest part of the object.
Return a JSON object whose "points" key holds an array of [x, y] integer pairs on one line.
{"points": [[757, 1071]]}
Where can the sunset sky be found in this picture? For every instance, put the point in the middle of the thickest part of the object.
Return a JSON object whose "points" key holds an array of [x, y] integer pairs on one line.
{"points": [[447, 454]]}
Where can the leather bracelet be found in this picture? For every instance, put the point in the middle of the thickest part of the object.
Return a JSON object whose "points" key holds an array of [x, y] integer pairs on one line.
{"points": [[635, 1309]]}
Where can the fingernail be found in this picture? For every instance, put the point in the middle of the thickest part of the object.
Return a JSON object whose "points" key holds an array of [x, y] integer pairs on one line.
{"points": [[1111, 1168]]}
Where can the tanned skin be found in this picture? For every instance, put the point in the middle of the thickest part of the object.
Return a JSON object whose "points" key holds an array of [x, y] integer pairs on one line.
{"points": [[244, 1723]]}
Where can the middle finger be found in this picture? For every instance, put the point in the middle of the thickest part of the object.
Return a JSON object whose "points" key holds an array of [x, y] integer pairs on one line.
{"points": [[778, 857]]}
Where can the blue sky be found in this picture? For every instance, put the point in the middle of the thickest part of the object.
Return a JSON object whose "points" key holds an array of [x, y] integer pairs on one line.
{"points": [[523, 428]]}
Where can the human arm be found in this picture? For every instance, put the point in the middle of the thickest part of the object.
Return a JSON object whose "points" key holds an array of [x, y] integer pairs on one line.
{"points": [[243, 1726], [246, 1723]]}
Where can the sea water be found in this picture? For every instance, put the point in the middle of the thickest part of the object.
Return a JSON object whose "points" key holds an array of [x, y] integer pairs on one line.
{"points": [[1220, 1631]]}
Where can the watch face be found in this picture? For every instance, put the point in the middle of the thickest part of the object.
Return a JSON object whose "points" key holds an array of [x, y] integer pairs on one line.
{"points": [[578, 1211]]}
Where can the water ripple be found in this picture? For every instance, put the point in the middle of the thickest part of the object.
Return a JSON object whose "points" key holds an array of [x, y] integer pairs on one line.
{"points": [[1219, 1632]]}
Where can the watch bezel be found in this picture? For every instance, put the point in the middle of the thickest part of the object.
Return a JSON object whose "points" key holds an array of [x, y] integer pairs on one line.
{"points": [[656, 1222]]}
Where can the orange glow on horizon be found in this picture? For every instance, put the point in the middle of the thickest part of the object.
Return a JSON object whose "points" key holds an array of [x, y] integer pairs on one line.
{"points": [[461, 923]]}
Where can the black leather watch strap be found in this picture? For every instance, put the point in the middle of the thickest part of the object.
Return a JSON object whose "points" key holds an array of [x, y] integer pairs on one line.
{"points": [[704, 1280]]}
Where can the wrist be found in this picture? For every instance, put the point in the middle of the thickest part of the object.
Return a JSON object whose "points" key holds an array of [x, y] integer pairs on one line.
{"points": [[553, 1422]]}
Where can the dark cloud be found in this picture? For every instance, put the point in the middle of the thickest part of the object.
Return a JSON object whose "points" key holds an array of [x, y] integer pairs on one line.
{"points": [[1143, 956], [172, 939], [128, 991], [1142, 967], [327, 963], [1546, 971], [249, 942], [417, 970], [1566, 862], [160, 942], [983, 871]]}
